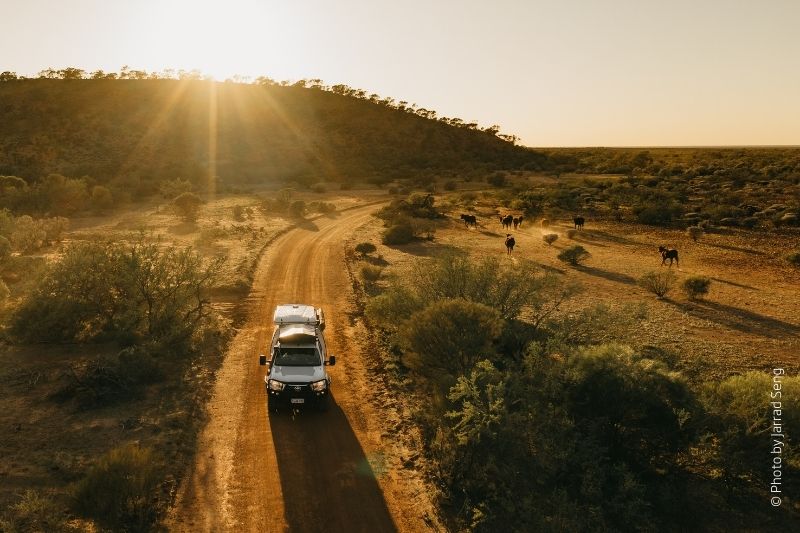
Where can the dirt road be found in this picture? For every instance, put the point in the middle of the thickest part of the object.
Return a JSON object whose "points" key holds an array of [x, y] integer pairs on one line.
{"points": [[258, 471]]}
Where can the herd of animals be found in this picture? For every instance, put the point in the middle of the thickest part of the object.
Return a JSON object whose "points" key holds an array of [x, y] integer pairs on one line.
{"points": [[506, 221]]}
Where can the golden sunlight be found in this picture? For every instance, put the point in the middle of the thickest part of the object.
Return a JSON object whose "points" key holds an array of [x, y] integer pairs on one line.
{"points": [[221, 39]]}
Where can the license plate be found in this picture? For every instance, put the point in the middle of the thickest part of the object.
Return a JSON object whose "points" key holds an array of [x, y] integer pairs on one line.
{"points": [[298, 400]]}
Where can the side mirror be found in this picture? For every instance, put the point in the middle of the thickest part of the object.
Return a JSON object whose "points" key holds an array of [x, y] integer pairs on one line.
{"points": [[331, 360], [262, 360]]}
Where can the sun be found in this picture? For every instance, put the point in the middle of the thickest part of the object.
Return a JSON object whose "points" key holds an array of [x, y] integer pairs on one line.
{"points": [[221, 39]]}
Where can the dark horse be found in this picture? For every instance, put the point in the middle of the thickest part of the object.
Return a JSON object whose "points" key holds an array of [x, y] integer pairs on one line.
{"points": [[578, 222], [506, 221], [469, 220], [669, 253], [510, 242], [517, 221]]}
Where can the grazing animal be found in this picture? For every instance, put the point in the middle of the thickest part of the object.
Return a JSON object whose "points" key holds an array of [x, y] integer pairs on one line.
{"points": [[669, 253], [469, 220], [510, 242], [506, 221], [578, 222], [518, 221]]}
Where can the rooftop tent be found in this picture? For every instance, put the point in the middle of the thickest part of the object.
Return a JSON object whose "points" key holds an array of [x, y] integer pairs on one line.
{"points": [[295, 314], [297, 334]]}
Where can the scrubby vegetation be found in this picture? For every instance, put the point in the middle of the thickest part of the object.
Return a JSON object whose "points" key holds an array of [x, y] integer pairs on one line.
{"points": [[346, 134], [120, 491], [531, 425], [696, 287], [659, 282], [131, 293], [754, 188], [574, 255]]}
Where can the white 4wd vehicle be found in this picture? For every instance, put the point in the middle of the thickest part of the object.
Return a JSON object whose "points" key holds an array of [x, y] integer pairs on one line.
{"points": [[296, 373]]}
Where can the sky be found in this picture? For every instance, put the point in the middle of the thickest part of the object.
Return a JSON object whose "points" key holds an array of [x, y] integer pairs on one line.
{"points": [[554, 73]]}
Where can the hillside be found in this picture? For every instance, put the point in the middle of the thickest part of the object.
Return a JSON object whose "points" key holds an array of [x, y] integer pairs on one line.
{"points": [[134, 131]]}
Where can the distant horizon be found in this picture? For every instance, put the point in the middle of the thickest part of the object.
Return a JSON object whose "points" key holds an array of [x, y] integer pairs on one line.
{"points": [[561, 73]]}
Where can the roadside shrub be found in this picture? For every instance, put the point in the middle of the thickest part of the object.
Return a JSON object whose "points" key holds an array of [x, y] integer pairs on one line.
{"points": [[451, 335], [321, 207], [571, 233], [696, 287], [297, 209], [319, 188], [450, 185], [550, 238], [694, 232], [120, 491], [544, 223], [187, 205], [393, 190], [509, 290], [613, 415], [659, 283], [371, 273], [238, 213], [401, 233], [794, 258], [365, 248], [574, 255], [125, 292]]}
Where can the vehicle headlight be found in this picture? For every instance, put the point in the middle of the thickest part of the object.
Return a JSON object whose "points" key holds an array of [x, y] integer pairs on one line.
{"points": [[319, 386], [275, 385]]}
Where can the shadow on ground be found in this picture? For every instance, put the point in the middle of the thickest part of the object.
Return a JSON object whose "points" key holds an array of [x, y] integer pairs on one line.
{"points": [[609, 275], [739, 319], [328, 482]]}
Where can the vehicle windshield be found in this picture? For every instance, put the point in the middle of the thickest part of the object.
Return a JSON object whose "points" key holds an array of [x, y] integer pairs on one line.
{"points": [[285, 356]]}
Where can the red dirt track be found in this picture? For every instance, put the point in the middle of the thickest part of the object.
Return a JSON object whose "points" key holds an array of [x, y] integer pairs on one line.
{"points": [[258, 471]]}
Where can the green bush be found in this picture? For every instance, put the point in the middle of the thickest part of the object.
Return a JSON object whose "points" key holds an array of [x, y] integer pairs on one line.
{"points": [[696, 287], [126, 292], [120, 491], [740, 412], [571, 233], [612, 415], [794, 259], [398, 234], [659, 283], [451, 335], [574, 255], [319, 188], [365, 248], [550, 238]]}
